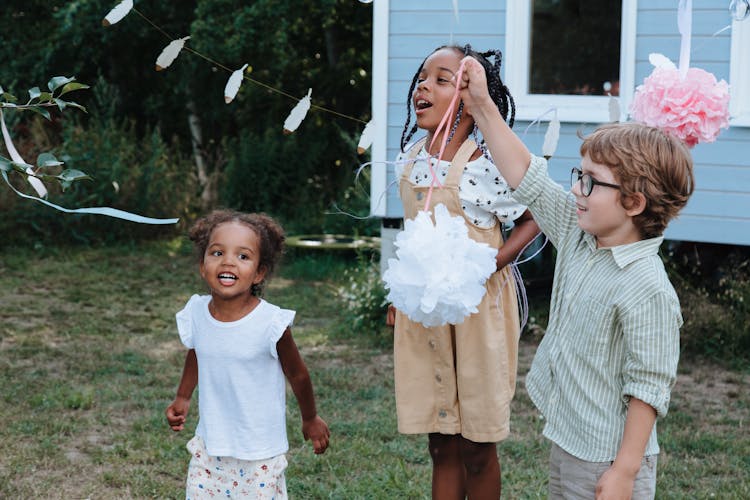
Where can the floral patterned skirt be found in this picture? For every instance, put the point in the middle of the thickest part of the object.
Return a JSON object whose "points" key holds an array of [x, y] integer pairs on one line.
{"points": [[227, 477]]}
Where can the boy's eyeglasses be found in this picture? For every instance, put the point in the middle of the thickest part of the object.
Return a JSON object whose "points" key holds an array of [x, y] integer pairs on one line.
{"points": [[587, 182]]}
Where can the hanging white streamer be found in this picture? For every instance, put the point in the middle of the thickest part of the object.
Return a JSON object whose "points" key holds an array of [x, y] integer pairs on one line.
{"points": [[685, 25], [37, 184], [111, 212]]}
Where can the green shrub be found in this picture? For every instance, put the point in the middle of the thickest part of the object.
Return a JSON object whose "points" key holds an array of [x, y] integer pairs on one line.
{"points": [[713, 283], [364, 299], [131, 169]]}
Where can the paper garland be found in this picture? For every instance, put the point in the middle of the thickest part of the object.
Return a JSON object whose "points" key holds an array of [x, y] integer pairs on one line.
{"points": [[170, 53], [118, 13], [551, 137], [233, 84], [172, 50], [297, 114]]}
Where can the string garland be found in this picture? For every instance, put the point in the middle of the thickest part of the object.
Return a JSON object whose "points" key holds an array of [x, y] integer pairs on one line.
{"points": [[176, 45]]}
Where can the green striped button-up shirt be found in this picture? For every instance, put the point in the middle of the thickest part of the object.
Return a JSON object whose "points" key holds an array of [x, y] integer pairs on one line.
{"points": [[613, 329]]}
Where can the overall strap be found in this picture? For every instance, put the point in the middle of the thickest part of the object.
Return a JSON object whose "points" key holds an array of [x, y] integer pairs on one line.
{"points": [[412, 155], [462, 156]]}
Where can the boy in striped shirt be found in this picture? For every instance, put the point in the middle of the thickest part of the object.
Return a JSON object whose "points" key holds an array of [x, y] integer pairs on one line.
{"points": [[608, 361]]}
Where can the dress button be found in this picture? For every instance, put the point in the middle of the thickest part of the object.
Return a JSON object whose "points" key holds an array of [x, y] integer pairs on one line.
{"points": [[438, 378], [442, 414], [431, 343], [420, 196]]}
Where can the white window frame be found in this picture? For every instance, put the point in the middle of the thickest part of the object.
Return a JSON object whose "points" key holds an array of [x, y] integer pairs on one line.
{"points": [[570, 108], [379, 149], [739, 74]]}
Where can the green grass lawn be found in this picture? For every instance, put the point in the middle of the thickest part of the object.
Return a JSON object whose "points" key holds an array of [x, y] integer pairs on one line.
{"points": [[90, 357]]}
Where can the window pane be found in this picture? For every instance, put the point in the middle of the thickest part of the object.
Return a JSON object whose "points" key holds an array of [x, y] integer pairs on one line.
{"points": [[575, 47]]}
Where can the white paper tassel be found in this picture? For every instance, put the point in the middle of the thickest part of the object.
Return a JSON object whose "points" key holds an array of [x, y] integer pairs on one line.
{"points": [[365, 140], [439, 272], [170, 53], [614, 109], [297, 114], [551, 137], [118, 12], [660, 61], [233, 84]]}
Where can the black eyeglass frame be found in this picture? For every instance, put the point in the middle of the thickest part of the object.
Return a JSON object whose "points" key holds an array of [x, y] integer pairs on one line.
{"points": [[576, 175]]}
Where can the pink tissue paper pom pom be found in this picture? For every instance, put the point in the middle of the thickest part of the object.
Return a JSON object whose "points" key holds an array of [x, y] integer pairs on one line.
{"points": [[694, 109]]}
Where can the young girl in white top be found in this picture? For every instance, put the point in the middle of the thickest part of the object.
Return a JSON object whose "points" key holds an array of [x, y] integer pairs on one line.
{"points": [[245, 349], [455, 382]]}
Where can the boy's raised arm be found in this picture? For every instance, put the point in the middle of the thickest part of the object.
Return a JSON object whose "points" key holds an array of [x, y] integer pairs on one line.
{"points": [[508, 151]]}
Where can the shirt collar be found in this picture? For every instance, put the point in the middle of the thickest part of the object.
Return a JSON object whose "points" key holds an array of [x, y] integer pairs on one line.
{"points": [[625, 254]]}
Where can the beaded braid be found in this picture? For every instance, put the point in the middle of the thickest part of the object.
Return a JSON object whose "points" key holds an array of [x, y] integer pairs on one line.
{"points": [[499, 93]]}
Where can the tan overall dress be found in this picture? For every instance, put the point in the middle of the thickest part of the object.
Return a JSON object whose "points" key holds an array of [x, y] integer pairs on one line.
{"points": [[458, 379]]}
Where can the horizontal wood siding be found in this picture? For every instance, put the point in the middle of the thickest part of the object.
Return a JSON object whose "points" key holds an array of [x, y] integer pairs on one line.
{"points": [[417, 27], [719, 211]]}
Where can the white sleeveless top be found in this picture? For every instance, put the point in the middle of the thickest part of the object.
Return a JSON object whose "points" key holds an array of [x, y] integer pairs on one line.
{"points": [[242, 389]]}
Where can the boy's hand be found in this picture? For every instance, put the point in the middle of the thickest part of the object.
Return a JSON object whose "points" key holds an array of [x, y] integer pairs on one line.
{"points": [[615, 484], [177, 412], [316, 430]]}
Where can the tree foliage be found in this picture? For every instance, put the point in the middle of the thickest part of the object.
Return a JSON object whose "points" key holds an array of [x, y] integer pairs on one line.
{"points": [[290, 45]]}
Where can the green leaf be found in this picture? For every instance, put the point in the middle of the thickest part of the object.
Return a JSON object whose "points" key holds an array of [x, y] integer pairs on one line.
{"points": [[72, 175], [75, 105], [40, 111], [47, 160], [34, 92], [21, 167], [60, 103], [58, 81], [70, 87], [69, 176], [45, 97], [9, 97]]}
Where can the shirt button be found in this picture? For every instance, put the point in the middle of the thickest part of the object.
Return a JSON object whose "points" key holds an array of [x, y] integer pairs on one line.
{"points": [[431, 344], [442, 414], [438, 378], [420, 196]]}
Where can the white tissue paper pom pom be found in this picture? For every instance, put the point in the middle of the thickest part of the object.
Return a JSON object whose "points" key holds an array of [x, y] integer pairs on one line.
{"points": [[439, 272]]}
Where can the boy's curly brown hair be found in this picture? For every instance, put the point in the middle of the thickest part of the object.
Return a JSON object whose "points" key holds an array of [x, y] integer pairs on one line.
{"points": [[648, 161], [269, 232]]}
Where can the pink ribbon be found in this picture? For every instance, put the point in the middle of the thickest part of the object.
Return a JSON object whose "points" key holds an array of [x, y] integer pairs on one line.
{"points": [[444, 126]]}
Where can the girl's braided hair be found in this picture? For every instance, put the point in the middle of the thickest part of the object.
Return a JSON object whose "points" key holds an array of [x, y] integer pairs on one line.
{"points": [[498, 91]]}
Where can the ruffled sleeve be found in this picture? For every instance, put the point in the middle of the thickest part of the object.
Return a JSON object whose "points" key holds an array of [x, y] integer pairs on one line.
{"points": [[282, 319], [185, 321]]}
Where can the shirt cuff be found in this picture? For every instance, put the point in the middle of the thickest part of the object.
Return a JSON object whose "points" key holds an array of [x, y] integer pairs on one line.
{"points": [[653, 396]]}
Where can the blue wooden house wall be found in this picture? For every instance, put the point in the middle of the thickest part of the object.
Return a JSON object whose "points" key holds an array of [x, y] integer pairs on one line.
{"points": [[407, 30]]}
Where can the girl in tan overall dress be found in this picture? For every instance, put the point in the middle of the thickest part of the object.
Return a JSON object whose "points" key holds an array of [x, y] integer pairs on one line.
{"points": [[455, 382]]}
